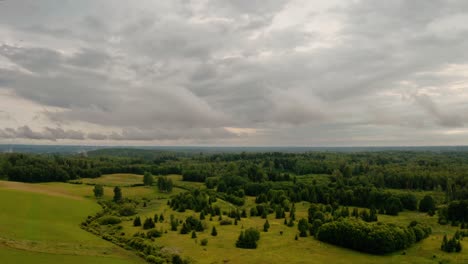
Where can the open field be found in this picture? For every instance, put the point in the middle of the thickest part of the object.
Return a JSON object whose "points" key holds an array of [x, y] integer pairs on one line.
{"points": [[40, 223], [117, 179], [276, 248], [47, 230]]}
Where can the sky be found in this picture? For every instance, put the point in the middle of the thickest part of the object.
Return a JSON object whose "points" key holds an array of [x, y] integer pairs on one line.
{"points": [[234, 72]]}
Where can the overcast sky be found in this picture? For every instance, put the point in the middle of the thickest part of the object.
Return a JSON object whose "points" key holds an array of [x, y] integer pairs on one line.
{"points": [[234, 72]]}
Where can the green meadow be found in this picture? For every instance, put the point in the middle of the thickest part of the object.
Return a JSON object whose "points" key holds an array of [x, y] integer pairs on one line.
{"points": [[39, 223]]}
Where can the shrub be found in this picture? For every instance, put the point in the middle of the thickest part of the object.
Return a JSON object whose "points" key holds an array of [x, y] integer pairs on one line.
{"points": [[127, 210], [226, 222], [109, 220], [154, 260], [153, 233], [204, 242]]}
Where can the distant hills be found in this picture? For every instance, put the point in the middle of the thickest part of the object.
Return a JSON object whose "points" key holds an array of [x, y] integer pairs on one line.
{"points": [[151, 150]]}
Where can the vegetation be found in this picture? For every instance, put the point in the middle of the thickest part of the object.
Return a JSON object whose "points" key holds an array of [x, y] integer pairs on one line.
{"points": [[147, 178], [371, 238], [362, 201], [248, 238], [98, 191]]}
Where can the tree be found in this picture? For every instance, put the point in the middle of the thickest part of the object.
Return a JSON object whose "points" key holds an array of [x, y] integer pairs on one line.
{"points": [[137, 221], [393, 206], [266, 226], [248, 238], [303, 226], [202, 215], [98, 191], [148, 224], [147, 179], [194, 234], [427, 204], [117, 194], [214, 232], [164, 184]]}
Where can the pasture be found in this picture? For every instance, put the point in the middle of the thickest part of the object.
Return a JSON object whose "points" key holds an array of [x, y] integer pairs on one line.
{"points": [[46, 229], [40, 223]]}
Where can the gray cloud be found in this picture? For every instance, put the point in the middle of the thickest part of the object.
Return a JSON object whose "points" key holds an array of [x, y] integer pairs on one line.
{"points": [[188, 70], [133, 134], [24, 132], [442, 118]]}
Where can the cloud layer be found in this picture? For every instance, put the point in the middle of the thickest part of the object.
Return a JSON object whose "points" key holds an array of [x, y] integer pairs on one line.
{"points": [[270, 72]]}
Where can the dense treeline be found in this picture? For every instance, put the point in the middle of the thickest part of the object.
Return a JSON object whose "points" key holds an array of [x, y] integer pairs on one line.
{"points": [[371, 238], [445, 171]]}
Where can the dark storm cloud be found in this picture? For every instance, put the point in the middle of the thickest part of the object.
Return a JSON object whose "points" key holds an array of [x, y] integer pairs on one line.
{"points": [[187, 70]]}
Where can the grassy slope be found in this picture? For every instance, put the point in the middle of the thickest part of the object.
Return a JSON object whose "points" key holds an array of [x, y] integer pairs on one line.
{"points": [[273, 247], [40, 223], [276, 248]]}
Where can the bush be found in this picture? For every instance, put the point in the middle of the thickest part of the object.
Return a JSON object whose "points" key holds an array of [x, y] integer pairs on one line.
{"points": [[153, 233], [226, 222], [127, 210], [154, 260], [109, 220], [204, 242]]}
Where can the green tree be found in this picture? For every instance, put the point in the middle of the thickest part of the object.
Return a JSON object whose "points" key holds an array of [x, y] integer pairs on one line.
{"points": [[148, 224], [266, 226], [303, 226], [393, 206], [117, 194], [194, 234], [137, 221], [98, 191], [248, 238], [427, 204], [147, 179], [214, 232]]}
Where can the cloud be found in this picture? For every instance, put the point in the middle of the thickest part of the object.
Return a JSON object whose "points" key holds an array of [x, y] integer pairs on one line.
{"points": [[131, 134], [187, 71], [442, 118], [24, 132]]}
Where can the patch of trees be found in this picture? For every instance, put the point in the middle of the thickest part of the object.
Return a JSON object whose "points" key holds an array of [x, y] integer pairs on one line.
{"points": [[248, 238], [191, 224], [164, 184], [455, 211], [453, 244], [427, 204], [196, 200], [198, 174], [375, 238]]}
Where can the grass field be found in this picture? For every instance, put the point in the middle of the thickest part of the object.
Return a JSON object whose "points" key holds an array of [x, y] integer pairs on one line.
{"points": [[39, 223], [118, 179], [276, 248], [46, 230]]}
